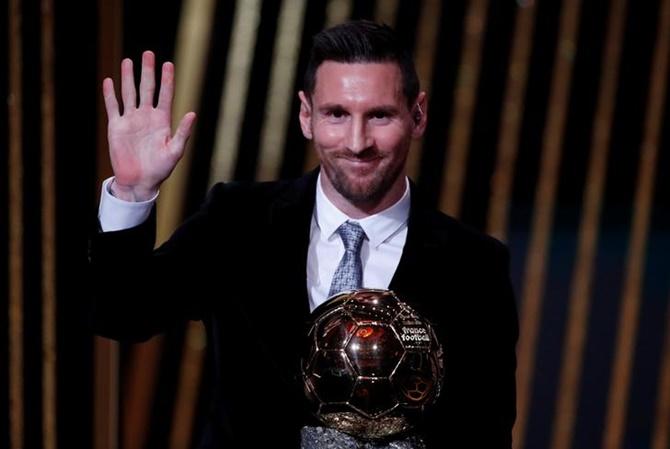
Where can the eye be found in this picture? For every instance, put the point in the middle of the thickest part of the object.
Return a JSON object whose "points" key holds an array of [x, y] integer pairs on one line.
{"points": [[335, 115], [380, 116]]}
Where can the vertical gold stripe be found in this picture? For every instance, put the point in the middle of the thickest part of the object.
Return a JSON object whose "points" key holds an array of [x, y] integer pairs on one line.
{"points": [[280, 95], [110, 52], [15, 111], [661, 435], [424, 50], [189, 386], [48, 231], [243, 41], [337, 11], [630, 304], [386, 11], [193, 37], [580, 295], [138, 395], [510, 123], [106, 394], [106, 352], [536, 259], [464, 103]]}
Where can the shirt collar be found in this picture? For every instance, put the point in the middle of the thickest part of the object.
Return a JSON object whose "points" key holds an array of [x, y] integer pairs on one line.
{"points": [[378, 227]]}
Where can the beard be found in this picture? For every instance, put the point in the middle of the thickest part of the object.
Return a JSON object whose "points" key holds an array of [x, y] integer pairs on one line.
{"points": [[363, 188]]}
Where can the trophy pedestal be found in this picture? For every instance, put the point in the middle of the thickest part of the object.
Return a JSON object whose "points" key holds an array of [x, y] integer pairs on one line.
{"points": [[316, 437]]}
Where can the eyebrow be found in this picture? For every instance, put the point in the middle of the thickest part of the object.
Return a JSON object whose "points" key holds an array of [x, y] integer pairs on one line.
{"points": [[387, 109], [331, 107]]}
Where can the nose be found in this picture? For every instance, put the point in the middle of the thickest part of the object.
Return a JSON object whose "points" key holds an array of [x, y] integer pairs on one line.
{"points": [[359, 138]]}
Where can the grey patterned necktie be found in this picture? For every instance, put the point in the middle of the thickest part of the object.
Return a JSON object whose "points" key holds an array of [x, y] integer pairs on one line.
{"points": [[349, 273]]}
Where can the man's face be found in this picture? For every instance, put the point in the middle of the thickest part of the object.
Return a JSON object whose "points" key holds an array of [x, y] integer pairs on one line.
{"points": [[362, 128]]}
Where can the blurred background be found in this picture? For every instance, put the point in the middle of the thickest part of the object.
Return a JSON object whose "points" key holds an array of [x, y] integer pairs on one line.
{"points": [[549, 129]]}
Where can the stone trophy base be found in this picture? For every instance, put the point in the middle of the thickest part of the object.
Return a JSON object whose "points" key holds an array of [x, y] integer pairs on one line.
{"points": [[316, 437]]}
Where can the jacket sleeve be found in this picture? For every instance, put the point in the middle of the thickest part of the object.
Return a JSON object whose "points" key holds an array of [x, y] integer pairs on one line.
{"points": [[138, 291]]}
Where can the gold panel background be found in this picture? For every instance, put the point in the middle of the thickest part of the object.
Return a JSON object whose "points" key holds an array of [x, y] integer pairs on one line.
{"points": [[548, 129]]}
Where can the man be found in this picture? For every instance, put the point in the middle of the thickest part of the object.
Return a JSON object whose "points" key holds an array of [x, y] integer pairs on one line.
{"points": [[257, 258]]}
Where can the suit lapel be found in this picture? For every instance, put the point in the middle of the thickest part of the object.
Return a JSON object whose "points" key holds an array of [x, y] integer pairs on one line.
{"points": [[285, 292], [424, 247], [291, 216]]}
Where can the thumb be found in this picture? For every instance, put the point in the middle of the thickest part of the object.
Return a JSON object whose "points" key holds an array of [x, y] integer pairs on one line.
{"points": [[181, 135]]}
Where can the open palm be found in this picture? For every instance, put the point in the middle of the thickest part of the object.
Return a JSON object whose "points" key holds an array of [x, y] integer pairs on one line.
{"points": [[142, 148]]}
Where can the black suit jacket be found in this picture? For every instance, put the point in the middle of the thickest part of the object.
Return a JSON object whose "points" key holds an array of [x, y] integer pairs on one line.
{"points": [[239, 265]]}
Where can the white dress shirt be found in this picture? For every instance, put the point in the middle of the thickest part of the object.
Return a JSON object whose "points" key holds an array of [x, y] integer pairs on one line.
{"points": [[385, 236]]}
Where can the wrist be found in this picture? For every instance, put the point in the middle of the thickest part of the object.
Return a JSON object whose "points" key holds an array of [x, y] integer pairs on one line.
{"points": [[131, 193]]}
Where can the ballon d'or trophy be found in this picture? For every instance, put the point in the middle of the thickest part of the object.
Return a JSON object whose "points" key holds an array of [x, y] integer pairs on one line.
{"points": [[371, 365]]}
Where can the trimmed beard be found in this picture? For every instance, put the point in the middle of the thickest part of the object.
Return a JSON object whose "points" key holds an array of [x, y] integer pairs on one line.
{"points": [[371, 193]]}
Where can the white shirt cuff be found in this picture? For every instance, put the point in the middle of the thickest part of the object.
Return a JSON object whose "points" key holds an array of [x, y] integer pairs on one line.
{"points": [[116, 214]]}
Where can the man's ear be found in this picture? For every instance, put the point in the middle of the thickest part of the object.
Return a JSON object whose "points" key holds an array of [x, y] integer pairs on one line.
{"points": [[419, 115], [305, 115]]}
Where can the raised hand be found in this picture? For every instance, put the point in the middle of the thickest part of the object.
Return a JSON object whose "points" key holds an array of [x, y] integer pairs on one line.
{"points": [[142, 148]]}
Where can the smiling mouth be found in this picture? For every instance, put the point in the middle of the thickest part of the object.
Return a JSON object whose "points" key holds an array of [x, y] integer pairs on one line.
{"points": [[366, 160], [362, 166], [362, 161]]}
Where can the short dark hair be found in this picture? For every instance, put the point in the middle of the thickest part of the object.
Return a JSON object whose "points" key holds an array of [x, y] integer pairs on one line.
{"points": [[362, 41]]}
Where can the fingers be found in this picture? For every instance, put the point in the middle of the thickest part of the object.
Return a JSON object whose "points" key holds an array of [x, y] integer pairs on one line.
{"points": [[178, 142], [128, 85], [166, 92], [147, 79], [147, 86], [111, 105]]}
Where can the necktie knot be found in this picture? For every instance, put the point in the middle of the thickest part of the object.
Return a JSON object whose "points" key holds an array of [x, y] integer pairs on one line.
{"points": [[352, 236]]}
